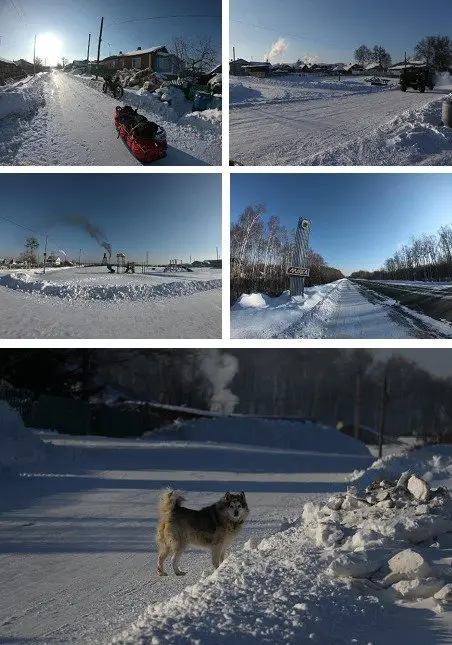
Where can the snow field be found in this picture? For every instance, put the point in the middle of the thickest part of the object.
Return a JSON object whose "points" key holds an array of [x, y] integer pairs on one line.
{"points": [[22, 99], [316, 122], [90, 303]]}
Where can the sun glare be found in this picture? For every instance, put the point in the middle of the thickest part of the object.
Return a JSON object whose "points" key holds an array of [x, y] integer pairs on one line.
{"points": [[49, 48]]}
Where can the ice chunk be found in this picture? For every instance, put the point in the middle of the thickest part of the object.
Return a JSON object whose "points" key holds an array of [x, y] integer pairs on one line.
{"points": [[410, 563]]}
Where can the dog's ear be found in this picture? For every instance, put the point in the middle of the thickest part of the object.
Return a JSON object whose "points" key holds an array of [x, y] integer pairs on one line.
{"points": [[242, 494], [227, 497]]}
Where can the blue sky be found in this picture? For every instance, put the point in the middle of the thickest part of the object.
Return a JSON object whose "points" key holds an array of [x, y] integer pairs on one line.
{"points": [[72, 20], [332, 30], [169, 216], [358, 220]]}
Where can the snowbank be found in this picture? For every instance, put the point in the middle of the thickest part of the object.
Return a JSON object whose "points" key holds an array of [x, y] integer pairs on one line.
{"points": [[19, 445], [30, 282], [338, 573], [413, 138], [23, 99], [299, 435], [287, 89]]}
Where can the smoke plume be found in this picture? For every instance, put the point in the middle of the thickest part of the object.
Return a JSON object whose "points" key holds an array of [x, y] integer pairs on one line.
{"points": [[278, 48], [96, 233], [220, 369]]}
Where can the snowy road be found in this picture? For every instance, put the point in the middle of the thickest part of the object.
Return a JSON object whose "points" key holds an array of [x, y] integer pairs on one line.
{"points": [[74, 126], [339, 310], [77, 551], [299, 132]]}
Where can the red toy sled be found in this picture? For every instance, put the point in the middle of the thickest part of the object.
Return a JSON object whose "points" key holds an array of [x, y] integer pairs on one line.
{"points": [[145, 139]]}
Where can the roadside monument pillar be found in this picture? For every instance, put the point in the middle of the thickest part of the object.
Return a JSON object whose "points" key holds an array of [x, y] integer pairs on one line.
{"points": [[298, 272]]}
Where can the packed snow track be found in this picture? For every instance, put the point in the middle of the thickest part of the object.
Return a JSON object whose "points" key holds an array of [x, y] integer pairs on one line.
{"points": [[342, 309], [68, 123], [77, 530], [331, 127]]}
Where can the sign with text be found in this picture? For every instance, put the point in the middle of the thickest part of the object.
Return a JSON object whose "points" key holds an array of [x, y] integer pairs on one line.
{"points": [[300, 271]]}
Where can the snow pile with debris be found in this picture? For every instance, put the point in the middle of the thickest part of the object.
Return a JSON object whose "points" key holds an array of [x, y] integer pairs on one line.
{"points": [[344, 571], [255, 431], [23, 99], [113, 289], [19, 445]]}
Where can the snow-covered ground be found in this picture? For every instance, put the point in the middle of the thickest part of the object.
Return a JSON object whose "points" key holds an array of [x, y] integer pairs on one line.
{"points": [[77, 548], [88, 302], [341, 309], [78, 557], [315, 121], [57, 119]]}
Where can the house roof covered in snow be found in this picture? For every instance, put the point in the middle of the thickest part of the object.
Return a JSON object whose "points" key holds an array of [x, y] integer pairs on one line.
{"points": [[5, 60], [409, 63], [372, 66], [150, 50]]}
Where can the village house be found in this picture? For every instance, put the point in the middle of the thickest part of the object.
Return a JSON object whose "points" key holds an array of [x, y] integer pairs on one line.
{"points": [[9, 70], [157, 58], [260, 70], [375, 68], [27, 67], [353, 69]]}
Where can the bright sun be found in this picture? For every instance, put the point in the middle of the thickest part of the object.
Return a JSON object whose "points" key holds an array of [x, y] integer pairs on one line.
{"points": [[49, 48]]}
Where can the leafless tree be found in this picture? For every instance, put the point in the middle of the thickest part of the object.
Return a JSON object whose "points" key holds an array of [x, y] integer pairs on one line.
{"points": [[198, 55]]}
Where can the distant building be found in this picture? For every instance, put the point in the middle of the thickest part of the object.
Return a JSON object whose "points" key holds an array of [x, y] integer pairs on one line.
{"points": [[260, 70], [157, 58], [53, 260], [236, 67]]}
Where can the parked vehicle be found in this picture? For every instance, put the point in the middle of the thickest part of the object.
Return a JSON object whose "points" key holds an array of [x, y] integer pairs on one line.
{"points": [[114, 86], [417, 79]]}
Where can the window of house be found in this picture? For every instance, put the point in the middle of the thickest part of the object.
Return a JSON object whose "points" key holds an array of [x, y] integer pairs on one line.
{"points": [[163, 64], [121, 63], [136, 62]]}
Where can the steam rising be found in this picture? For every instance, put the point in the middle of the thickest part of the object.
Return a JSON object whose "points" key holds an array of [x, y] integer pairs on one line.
{"points": [[278, 48], [220, 368]]}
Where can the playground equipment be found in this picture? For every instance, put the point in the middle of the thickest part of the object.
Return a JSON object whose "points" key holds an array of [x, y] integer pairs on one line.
{"points": [[176, 265], [122, 265]]}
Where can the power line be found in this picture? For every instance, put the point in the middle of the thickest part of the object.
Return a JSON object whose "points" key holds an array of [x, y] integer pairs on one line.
{"points": [[194, 15], [27, 228]]}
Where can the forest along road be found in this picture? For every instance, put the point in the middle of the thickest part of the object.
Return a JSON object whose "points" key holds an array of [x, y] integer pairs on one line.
{"points": [[74, 126], [291, 133], [77, 536]]}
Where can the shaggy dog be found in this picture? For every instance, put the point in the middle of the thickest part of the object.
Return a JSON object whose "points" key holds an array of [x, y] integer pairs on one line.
{"points": [[213, 526]]}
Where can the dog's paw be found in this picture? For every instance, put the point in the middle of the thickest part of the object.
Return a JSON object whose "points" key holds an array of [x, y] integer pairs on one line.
{"points": [[180, 573], [162, 573]]}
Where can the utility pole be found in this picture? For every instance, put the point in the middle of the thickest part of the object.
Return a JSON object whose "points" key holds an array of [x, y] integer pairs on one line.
{"points": [[34, 57], [98, 47], [233, 59], [357, 415], [217, 253], [80, 257], [147, 258], [383, 402], [89, 43], [45, 255]]}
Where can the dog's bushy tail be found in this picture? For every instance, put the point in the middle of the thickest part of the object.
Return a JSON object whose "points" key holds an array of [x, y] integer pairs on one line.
{"points": [[168, 500]]}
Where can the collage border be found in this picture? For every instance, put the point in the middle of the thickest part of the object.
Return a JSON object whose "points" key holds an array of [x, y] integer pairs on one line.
{"points": [[227, 172]]}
